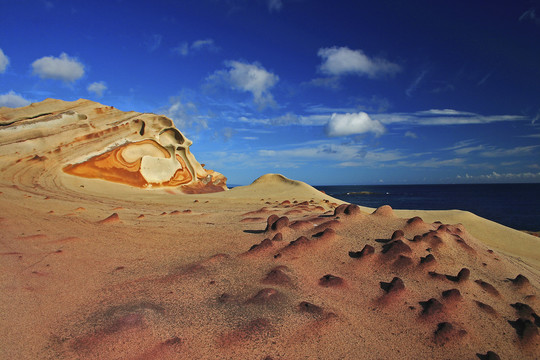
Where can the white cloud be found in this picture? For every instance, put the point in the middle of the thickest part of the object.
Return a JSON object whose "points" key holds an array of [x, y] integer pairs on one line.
{"points": [[530, 15], [275, 5], [184, 115], [516, 151], [416, 82], [443, 117], [97, 88], [63, 68], [4, 61], [411, 135], [467, 150], [344, 61], [251, 78], [185, 48], [13, 100], [526, 176], [353, 123]]}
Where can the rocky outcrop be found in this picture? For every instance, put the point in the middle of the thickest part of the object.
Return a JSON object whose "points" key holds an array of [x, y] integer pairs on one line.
{"points": [[87, 139]]}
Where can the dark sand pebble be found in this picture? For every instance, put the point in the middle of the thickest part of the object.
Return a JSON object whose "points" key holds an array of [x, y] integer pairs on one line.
{"points": [[310, 308], [394, 286], [263, 245], [175, 212], [330, 280], [429, 259], [285, 202], [187, 211], [463, 244], [252, 219], [397, 234], [451, 295], [111, 219], [140, 216], [396, 248], [447, 332], [415, 221], [301, 225], [163, 213], [279, 224], [525, 311], [277, 276], [431, 307], [278, 237], [487, 287], [432, 239], [259, 327], [462, 275], [367, 250], [520, 281], [270, 221], [525, 328], [327, 234], [402, 262], [293, 212], [485, 307], [334, 224], [225, 298], [264, 296], [490, 355], [385, 210]]}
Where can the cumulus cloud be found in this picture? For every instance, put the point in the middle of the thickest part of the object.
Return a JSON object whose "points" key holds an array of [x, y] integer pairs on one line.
{"points": [[97, 88], [185, 48], [4, 61], [63, 68], [344, 61], [353, 123], [251, 78], [13, 100]]}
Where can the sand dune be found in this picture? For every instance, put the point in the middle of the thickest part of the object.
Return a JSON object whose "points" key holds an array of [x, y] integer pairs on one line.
{"points": [[273, 270]]}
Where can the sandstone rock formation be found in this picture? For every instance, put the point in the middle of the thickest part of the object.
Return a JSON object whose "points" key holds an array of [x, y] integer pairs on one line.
{"points": [[87, 139]]}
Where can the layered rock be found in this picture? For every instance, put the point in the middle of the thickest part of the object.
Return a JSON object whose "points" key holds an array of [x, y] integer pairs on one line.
{"points": [[87, 139]]}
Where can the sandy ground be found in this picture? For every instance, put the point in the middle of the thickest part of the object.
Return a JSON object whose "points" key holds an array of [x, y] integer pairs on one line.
{"points": [[93, 269], [172, 276]]}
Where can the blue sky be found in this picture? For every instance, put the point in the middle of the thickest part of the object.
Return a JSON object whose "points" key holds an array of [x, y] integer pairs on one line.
{"points": [[341, 92]]}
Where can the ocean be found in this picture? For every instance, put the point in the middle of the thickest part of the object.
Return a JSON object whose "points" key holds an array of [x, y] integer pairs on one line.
{"points": [[513, 205]]}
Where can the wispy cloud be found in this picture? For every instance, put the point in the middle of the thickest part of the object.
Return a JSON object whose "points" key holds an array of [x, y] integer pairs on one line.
{"points": [[416, 82], [275, 5], [444, 117], [13, 100], [252, 78], [411, 135], [516, 151], [527, 176], [184, 114], [338, 61], [64, 67], [530, 15], [184, 48], [4, 61], [152, 42]]}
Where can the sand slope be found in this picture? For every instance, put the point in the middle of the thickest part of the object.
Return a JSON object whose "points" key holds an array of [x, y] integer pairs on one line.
{"points": [[94, 269]]}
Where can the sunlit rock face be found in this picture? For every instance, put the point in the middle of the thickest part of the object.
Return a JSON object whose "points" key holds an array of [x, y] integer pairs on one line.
{"points": [[86, 139]]}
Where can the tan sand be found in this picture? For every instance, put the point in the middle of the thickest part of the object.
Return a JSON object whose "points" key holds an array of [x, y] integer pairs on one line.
{"points": [[93, 269]]}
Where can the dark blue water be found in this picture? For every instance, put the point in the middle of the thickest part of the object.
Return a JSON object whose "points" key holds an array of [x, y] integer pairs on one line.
{"points": [[513, 205]]}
